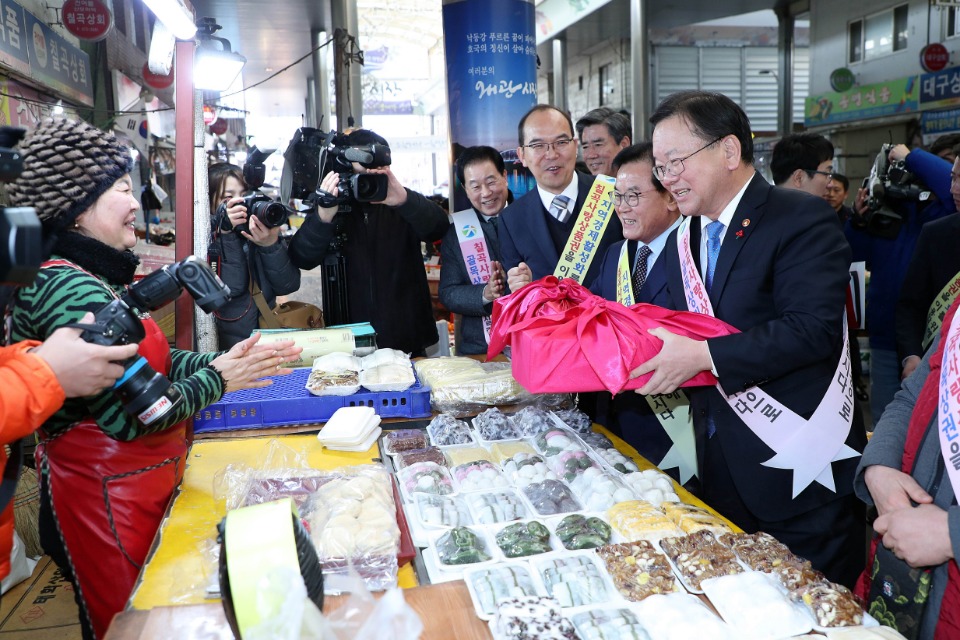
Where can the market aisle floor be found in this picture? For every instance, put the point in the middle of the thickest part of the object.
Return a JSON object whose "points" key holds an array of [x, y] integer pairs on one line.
{"points": [[40, 608]]}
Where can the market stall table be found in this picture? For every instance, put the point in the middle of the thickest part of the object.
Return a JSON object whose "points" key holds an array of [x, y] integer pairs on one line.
{"points": [[181, 565]]}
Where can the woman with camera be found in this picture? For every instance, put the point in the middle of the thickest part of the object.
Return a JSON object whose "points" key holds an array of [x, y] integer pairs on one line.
{"points": [[251, 255], [106, 477]]}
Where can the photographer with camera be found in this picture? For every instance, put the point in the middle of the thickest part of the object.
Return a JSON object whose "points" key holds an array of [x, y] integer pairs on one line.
{"points": [[906, 189], [106, 475], [249, 252], [367, 233]]}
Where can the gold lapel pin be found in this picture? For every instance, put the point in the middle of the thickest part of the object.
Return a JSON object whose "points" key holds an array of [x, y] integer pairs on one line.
{"points": [[746, 222]]}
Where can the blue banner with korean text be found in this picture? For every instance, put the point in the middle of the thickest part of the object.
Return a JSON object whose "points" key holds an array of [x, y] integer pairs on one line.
{"points": [[55, 61], [491, 52], [938, 122], [940, 89], [13, 39]]}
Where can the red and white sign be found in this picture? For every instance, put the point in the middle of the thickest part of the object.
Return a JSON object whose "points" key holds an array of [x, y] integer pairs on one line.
{"points": [[219, 127], [87, 19], [209, 115], [155, 80], [934, 57]]}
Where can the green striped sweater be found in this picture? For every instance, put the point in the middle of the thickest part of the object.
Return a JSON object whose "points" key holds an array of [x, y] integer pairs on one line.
{"points": [[61, 295]]}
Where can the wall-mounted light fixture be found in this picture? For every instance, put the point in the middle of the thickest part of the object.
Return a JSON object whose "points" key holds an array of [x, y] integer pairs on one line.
{"points": [[216, 66], [175, 16]]}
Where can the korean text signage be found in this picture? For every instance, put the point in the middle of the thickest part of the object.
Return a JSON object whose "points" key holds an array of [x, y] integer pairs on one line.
{"points": [[13, 38], [841, 79], [866, 101], [87, 19], [934, 57], [940, 89], [53, 60], [937, 122]]}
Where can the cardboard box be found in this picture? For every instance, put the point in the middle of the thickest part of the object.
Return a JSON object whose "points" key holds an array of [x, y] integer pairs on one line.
{"points": [[40, 607]]}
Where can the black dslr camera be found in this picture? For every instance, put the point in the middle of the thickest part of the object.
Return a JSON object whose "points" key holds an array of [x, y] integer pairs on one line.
{"points": [[267, 210], [22, 253], [144, 392], [889, 185], [312, 154]]}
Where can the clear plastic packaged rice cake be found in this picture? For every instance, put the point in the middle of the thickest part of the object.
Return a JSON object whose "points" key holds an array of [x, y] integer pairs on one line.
{"points": [[531, 618], [493, 425], [652, 486], [462, 546], [412, 456], [352, 522], [490, 585], [557, 440], [525, 468], [638, 569], [425, 477], [461, 385], [492, 507], [502, 451], [691, 518], [569, 465], [446, 430], [640, 520], [578, 531], [551, 497], [530, 421], [762, 552], [525, 538], [573, 578], [598, 490], [575, 419], [442, 511], [478, 475], [404, 439], [699, 556], [609, 623], [830, 604], [466, 453], [677, 616]]}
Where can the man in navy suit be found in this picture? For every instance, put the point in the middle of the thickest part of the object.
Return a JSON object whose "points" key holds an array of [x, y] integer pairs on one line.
{"points": [[774, 264], [534, 229], [632, 271]]}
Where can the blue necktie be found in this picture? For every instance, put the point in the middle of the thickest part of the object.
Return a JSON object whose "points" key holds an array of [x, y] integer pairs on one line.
{"points": [[714, 229]]}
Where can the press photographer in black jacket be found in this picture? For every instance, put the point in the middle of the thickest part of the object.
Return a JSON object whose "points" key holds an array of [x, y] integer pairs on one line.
{"points": [[370, 251]]}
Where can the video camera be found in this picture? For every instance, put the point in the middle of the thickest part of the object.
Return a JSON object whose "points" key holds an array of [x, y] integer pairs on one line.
{"points": [[889, 181], [22, 253], [267, 210], [312, 154], [142, 391]]}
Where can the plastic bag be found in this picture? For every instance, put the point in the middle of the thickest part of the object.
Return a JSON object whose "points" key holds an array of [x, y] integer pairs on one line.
{"points": [[565, 339], [21, 567], [362, 617], [461, 386], [288, 613]]}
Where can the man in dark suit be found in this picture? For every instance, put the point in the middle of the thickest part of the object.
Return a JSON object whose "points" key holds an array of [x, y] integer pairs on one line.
{"points": [[632, 271], [934, 265], [774, 264], [483, 175], [534, 229]]}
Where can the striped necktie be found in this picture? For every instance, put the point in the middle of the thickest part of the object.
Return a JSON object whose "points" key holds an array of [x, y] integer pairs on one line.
{"points": [[558, 208]]}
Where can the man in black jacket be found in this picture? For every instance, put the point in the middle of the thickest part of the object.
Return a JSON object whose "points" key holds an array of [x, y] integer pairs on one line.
{"points": [[372, 257]]}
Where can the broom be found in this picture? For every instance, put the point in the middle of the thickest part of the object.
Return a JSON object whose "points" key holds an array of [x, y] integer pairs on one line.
{"points": [[26, 511]]}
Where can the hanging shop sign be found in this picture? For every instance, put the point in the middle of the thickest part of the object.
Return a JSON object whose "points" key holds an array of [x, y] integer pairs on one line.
{"points": [[940, 89], [54, 61], [939, 122], [860, 103], [155, 80], [842, 79], [219, 127], [87, 19], [934, 57], [209, 115]]}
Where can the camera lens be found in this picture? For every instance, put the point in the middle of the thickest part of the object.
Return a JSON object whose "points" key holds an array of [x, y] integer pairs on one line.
{"points": [[369, 187], [271, 214], [146, 393]]}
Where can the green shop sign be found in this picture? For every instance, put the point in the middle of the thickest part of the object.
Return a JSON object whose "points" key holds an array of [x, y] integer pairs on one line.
{"points": [[863, 102], [842, 79]]}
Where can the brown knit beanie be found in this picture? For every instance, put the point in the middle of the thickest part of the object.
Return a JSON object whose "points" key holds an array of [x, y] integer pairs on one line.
{"points": [[67, 165]]}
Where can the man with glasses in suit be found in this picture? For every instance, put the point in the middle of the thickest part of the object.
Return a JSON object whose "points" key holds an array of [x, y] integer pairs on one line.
{"points": [[803, 161], [536, 227]]}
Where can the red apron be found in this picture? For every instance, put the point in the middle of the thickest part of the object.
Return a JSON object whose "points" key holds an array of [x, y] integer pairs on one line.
{"points": [[109, 497]]}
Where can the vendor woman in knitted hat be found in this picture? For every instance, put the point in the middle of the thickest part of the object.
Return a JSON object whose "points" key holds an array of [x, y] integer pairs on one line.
{"points": [[106, 478]]}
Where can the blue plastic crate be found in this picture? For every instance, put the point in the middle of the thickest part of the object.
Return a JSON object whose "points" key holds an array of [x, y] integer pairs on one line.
{"points": [[287, 402]]}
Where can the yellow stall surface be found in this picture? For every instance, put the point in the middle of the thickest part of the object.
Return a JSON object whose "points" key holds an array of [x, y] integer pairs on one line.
{"points": [[182, 566]]}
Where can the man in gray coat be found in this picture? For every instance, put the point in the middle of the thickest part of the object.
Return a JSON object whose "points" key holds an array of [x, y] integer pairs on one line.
{"points": [[483, 175]]}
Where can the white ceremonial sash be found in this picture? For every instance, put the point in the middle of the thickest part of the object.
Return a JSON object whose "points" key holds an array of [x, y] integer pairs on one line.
{"points": [[806, 447], [671, 409], [948, 410], [476, 257], [584, 239]]}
